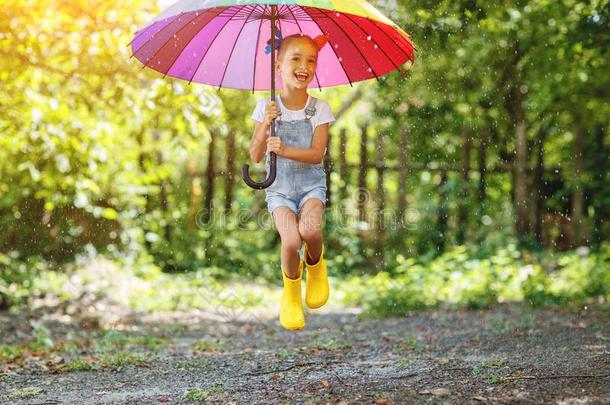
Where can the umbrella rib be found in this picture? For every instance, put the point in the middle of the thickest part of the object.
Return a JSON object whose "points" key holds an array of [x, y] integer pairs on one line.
{"points": [[145, 29], [258, 36], [209, 47], [179, 53], [301, 30], [390, 38], [233, 48], [331, 47], [378, 46], [157, 33], [165, 43], [355, 46]]}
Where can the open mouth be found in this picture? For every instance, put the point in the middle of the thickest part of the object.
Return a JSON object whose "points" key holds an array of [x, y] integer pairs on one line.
{"points": [[302, 77]]}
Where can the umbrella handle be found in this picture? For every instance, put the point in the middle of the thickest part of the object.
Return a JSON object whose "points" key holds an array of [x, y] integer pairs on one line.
{"points": [[265, 183]]}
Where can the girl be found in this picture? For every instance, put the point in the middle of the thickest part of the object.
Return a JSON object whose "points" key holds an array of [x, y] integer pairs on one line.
{"points": [[297, 198]]}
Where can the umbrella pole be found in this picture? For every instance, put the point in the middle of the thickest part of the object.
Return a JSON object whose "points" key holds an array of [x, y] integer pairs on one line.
{"points": [[273, 47], [273, 157], [272, 21]]}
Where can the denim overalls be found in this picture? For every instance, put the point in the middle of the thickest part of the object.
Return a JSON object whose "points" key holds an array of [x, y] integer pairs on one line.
{"points": [[296, 182]]}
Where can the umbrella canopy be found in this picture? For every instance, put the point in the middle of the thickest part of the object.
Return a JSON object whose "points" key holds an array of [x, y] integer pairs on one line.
{"points": [[222, 42]]}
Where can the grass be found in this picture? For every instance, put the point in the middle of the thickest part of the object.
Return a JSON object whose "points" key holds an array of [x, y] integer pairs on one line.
{"points": [[410, 344], [487, 371], [9, 353], [122, 359], [195, 395], [283, 353], [208, 346], [76, 365], [405, 362], [111, 339], [198, 394], [26, 392], [501, 325], [331, 343]]}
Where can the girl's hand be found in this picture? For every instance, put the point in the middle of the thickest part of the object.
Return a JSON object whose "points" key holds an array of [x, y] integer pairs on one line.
{"points": [[274, 144], [271, 111]]}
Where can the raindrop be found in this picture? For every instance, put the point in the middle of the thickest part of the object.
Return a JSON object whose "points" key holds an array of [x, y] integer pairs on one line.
{"points": [[368, 38]]}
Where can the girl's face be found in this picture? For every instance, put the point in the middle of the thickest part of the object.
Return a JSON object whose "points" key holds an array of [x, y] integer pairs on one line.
{"points": [[297, 63]]}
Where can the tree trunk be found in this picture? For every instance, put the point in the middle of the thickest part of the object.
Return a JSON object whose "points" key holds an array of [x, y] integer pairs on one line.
{"points": [[328, 167], [362, 171], [482, 163], [464, 193], [230, 175], [403, 173], [343, 174], [142, 166], [538, 179], [380, 222], [600, 189], [577, 190], [512, 79], [209, 187], [163, 201], [441, 222], [520, 183], [195, 194]]}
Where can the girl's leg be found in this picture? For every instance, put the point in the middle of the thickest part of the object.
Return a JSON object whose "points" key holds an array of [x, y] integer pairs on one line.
{"points": [[310, 228], [287, 226]]}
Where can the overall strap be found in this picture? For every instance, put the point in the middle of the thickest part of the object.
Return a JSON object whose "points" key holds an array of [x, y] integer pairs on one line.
{"points": [[310, 110]]}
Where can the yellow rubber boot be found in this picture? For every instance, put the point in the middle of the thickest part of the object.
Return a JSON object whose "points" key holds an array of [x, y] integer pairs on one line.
{"points": [[317, 291], [291, 307]]}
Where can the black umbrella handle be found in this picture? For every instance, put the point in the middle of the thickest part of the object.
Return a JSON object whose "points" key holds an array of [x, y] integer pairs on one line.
{"points": [[265, 183], [273, 163]]}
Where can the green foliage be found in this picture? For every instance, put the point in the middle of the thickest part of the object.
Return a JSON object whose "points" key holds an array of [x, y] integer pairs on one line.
{"points": [[16, 276], [460, 278]]}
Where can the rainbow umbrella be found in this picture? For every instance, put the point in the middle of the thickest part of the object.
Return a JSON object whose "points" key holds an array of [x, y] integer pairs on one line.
{"points": [[225, 43]]}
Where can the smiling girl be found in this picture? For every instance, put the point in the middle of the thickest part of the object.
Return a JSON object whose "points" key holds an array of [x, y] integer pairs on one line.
{"points": [[297, 198]]}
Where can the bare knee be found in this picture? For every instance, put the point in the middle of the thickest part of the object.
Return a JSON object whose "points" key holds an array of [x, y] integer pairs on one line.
{"points": [[292, 243], [310, 235]]}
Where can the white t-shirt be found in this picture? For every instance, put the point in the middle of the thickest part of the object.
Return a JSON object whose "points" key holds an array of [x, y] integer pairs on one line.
{"points": [[323, 113]]}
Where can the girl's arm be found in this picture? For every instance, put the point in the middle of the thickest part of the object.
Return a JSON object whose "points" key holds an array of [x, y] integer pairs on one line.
{"points": [[312, 155], [261, 132], [258, 144]]}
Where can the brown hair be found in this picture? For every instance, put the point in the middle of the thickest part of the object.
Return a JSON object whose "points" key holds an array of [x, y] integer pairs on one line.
{"points": [[292, 37]]}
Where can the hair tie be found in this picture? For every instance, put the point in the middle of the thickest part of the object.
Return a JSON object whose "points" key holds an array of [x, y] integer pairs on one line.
{"points": [[278, 41], [320, 41]]}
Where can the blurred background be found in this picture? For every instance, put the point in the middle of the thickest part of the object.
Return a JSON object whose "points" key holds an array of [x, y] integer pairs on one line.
{"points": [[479, 177]]}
